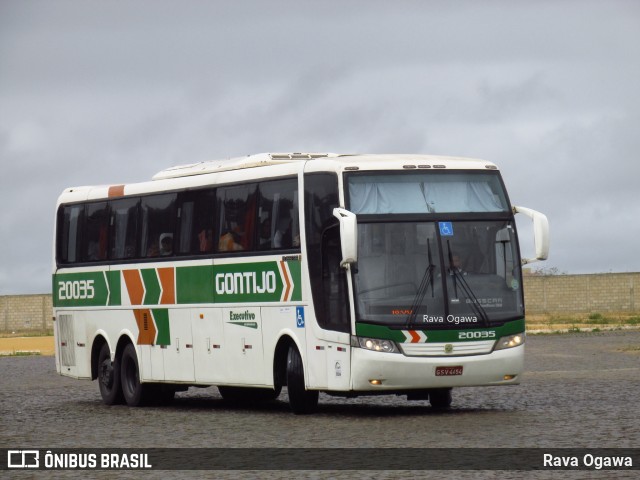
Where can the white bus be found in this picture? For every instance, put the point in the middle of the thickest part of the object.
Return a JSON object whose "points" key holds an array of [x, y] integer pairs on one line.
{"points": [[345, 274]]}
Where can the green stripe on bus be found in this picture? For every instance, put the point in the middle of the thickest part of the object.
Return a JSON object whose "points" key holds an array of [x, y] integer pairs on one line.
{"points": [[80, 289], [435, 336], [194, 284], [151, 286], [295, 267], [115, 294], [161, 318], [267, 282]]}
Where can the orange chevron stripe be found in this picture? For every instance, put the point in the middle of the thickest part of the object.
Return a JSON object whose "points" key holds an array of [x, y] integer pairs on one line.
{"points": [[133, 280], [146, 327], [287, 291], [415, 338], [167, 281]]}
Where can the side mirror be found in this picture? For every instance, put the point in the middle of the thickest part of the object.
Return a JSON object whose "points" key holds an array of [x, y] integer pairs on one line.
{"points": [[540, 233], [348, 235]]}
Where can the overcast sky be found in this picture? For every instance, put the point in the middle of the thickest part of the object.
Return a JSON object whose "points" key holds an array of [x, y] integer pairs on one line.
{"points": [[97, 92]]}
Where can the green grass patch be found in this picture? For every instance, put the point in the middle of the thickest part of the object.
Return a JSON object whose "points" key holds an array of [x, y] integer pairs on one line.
{"points": [[597, 319]]}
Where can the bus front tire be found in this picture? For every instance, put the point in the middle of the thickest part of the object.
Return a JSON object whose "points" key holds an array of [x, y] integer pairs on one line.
{"points": [[109, 377], [134, 392], [301, 400]]}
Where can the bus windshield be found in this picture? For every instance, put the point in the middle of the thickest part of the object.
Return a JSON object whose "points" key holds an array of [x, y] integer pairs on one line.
{"points": [[426, 192], [461, 274]]}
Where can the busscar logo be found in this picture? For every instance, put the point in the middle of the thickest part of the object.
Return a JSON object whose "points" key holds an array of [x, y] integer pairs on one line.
{"points": [[23, 459]]}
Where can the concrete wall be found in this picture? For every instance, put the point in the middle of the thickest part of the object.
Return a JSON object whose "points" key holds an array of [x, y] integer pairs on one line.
{"points": [[552, 294], [594, 293], [25, 312]]}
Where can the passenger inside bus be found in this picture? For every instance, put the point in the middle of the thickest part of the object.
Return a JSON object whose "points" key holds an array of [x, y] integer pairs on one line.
{"points": [[230, 242], [166, 244], [205, 240]]}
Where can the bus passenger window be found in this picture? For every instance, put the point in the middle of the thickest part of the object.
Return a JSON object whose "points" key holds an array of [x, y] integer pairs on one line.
{"points": [[124, 225], [158, 224], [197, 221], [278, 215], [96, 232], [237, 218], [70, 220]]}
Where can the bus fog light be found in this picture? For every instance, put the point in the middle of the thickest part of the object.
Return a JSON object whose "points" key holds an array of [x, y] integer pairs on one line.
{"points": [[510, 341], [375, 381], [374, 344], [509, 377]]}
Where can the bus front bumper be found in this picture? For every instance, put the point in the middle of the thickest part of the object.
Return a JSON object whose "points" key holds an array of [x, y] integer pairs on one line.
{"points": [[377, 371]]}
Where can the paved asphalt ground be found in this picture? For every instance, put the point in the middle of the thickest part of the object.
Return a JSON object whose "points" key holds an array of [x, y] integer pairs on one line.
{"points": [[580, 391]]}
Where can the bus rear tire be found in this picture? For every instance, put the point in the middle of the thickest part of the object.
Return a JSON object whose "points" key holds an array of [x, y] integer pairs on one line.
{"points": [[134, 392], [440, 398], [301, 400], [109, 377]]}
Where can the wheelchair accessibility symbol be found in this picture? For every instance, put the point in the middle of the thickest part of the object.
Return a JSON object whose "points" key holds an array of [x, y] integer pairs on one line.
{"points": [[446, 229], [300, 317]]}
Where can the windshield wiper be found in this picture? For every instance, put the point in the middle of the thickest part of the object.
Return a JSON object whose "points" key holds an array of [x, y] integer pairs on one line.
{"points": [[427, 280], [459, 278]]}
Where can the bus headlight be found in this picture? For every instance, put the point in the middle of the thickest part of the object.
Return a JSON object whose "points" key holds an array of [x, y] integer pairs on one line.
{"points": [[375, 344], [510, 341]]}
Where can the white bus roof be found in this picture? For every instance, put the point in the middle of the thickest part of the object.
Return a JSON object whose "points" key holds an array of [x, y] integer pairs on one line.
{"points": [[355, 160], [186, 176]]}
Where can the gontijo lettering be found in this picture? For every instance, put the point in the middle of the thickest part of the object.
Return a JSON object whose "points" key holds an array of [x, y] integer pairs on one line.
{"points": [[234, 283]]}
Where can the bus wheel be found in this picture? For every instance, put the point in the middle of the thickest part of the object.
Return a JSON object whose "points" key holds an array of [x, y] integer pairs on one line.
{"points": [[134, 392], [301, 400], [108, 377], [440, 398]]}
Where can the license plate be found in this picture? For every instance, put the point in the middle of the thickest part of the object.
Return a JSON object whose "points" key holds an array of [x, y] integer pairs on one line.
{"points": [[448, 371]]}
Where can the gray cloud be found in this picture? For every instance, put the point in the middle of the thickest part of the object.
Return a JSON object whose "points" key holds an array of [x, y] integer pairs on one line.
{"points": [[112, 92]]}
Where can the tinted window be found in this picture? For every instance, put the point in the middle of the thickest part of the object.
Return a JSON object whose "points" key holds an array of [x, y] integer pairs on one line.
{"points": [[237, 218], [158, 219], [278, 215], [69, 233], [96, 237], [328, 280], [124, 224], [197, 222]]}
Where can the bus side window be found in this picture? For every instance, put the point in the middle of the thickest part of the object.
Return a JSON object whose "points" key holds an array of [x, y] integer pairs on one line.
{"points": [[323, 251], [196, 222], [95, 243], [158, 214], [334, 283], [124, 225], [278, 215], [237, 218], [70, 226]]}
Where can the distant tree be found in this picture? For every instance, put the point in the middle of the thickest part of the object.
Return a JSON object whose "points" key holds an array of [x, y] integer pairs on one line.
{"points": [[542, 271]]}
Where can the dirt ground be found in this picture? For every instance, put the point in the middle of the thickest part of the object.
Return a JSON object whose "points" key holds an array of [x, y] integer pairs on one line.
{"points": [[30, 345], [44, 345]]}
